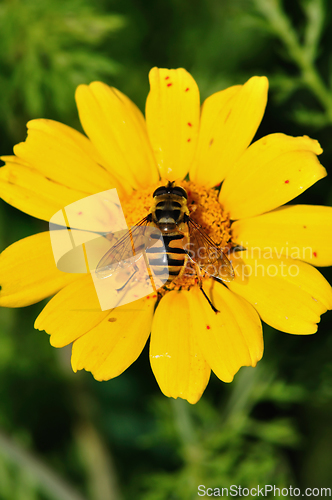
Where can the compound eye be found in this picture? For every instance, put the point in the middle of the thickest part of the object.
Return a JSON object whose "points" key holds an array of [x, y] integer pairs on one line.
{"points": [[179, 191], [159, 191]]}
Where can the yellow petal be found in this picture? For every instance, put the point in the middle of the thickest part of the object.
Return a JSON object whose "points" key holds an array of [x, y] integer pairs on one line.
{"points": [[172, 118], [229, 339], [229, 121], [28, 272], [288, 294], [64, 155], [72, 312], [116, 342], [211, 109], [176, 360], [272, 171], [118, 131], [33, 193], [301, 231]]}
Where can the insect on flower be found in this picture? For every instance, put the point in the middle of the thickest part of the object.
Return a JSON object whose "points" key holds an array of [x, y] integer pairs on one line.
{"points": [[229, 200], [183, 240]]}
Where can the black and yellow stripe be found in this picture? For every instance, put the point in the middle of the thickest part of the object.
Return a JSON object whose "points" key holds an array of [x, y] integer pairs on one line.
{"points": [[167, 261]]}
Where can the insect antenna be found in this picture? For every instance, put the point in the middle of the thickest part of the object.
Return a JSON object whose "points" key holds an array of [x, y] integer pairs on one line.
{"points": [[130, 277]]}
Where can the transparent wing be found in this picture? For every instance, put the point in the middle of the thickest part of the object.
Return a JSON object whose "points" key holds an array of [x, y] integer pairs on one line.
{"points": [[206, 253], [126, 249]]}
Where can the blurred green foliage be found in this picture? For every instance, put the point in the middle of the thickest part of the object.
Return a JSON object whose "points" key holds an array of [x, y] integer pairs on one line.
{"points": [[48, 48], [68, 437]]}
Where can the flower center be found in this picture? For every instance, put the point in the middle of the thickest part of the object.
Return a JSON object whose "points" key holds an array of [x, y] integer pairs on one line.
{"points": [[205, 210]]}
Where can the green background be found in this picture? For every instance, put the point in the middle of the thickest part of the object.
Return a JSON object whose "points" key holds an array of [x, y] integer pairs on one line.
{"points": [[68, 437]]}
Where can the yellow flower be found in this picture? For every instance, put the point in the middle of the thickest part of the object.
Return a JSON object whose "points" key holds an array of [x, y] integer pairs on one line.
{"points": [[275, 278]]}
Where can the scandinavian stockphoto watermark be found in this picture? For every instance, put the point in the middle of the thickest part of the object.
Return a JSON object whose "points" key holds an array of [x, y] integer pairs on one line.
{"points": [[91, 236], [254, 261], [267, 490]]}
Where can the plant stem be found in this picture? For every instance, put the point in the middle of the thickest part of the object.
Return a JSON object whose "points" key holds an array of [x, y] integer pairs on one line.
{"points": [[192, 449], [283, 29], [248, 388], [101, 477], [48, 481], [96, 457]]}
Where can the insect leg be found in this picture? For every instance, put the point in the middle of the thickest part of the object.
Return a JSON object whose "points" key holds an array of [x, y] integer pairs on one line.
{"points": [[183, 269], [130, 277], [149, 271], [200, 284]]}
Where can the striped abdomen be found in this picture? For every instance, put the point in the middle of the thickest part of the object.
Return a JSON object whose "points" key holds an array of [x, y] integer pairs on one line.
{"points": [[167, 265]]}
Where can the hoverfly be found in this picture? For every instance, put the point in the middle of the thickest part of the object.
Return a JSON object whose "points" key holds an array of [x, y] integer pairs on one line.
{"points": [[183, 240]]}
